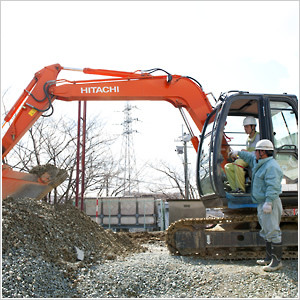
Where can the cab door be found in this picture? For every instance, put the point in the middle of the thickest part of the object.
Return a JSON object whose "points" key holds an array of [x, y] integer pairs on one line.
{"points": [[282, 113], [212, 153], [205, 165]]}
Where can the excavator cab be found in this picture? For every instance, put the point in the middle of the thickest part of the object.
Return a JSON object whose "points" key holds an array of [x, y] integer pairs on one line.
{"points": [[277, 120], [235, 234]]}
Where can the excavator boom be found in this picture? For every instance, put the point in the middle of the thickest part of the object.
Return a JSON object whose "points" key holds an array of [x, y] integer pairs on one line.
{"points": [[32, 103], [44, 88]]}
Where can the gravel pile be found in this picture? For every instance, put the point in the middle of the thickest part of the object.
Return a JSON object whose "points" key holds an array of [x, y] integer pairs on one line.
{"points": [[44, 245], [55, 231], [38, 261]]}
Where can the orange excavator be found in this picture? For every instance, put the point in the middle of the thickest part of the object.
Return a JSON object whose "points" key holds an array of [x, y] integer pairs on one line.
{"points": [[277, 117]]}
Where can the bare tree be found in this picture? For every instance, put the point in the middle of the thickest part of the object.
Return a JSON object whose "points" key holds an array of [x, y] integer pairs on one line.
{"points": [[172, 182], [111, 181], [54, 142]]}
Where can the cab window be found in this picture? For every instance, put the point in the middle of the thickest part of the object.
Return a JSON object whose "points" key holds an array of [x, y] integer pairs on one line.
{"points": [[235, 133], [285, 136], [284, 122]]}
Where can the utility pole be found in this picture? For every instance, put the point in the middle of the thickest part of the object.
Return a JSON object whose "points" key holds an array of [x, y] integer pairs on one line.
{"points": [[185, 138], [186, 178]]}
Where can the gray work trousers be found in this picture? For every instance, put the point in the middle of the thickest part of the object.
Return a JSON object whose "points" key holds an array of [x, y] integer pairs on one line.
{"points": [[270, 223]]}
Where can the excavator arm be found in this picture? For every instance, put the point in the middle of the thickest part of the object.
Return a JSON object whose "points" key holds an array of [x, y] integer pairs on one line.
{"points": [[37, 99]]}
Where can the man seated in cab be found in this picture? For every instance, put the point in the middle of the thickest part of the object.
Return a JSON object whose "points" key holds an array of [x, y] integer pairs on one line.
{"points": [[235, 172]]}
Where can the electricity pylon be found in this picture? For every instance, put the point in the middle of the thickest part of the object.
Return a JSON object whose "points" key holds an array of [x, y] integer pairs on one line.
{"points": [[128, 160]]}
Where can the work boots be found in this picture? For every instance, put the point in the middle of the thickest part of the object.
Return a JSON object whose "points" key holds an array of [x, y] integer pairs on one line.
{"points": [[276, 252], [267, 260]]}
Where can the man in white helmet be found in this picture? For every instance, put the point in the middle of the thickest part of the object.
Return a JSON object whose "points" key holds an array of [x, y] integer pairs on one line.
{"points": [[266, 188], [235, 171]]}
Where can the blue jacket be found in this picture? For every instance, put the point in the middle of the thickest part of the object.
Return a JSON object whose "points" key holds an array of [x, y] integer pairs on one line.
{"points": [[266, 177]]}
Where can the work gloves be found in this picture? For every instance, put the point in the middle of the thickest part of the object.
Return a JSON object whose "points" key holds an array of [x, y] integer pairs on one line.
{"points": [[267, 207]]}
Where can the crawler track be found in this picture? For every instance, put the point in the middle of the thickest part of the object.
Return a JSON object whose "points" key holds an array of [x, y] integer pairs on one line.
{"points": [[231, 238]]}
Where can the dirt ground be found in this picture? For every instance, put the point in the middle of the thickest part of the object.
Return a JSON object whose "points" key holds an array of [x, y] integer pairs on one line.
{"points": [[53, 231], [146, 237]]}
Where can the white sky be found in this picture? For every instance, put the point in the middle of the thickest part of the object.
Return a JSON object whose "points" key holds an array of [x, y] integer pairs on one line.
{"points": [[225, 45]]}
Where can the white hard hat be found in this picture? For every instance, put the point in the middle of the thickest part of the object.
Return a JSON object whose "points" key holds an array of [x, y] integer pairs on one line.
{"points": [[249, 121], [264, 145]]}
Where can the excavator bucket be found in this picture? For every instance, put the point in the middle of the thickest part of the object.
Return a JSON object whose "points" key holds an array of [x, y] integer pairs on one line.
{"points": [[36, 184]]}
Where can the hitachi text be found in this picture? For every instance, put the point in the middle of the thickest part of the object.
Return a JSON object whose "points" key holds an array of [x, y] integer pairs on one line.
{"points": [[95, 89]]}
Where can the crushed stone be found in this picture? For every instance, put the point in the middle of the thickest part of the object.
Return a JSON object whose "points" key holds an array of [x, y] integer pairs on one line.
{"points": [[54, 231]]}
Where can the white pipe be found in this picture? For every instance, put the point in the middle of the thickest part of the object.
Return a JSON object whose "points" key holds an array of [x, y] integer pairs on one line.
{"points": [[73, 69]]}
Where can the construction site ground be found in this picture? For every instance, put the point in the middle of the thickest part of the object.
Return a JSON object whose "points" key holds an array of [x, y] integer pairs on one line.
{"points": [[39, 238]]}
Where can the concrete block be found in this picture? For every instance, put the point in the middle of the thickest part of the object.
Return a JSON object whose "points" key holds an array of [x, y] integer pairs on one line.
{"points": [[145, 207], [180, 209], [111, 220], [148, 220], [128, 220], [128, 207], [110, 207]]}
